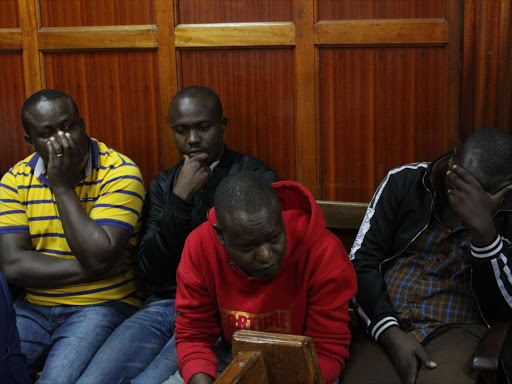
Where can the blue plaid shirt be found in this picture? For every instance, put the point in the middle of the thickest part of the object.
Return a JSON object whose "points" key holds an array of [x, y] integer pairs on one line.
{"points": [[430, 283]]}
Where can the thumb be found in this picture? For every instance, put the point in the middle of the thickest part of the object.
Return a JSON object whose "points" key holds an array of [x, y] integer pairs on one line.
{"points": [[186, 158], [85, 160], [425, 358], [501, 193]]}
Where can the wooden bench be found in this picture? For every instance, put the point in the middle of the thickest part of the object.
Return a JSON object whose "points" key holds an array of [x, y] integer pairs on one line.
{"points": [[342, 218]]}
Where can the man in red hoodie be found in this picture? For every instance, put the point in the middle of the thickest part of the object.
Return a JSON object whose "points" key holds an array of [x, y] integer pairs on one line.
{"points": [[264, 261]]}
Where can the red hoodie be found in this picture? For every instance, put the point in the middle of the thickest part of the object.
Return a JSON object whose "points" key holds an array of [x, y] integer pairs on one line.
{"points": [[308, 296]]}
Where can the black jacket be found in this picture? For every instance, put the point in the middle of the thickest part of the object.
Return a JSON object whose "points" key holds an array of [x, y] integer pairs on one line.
{"points": [[168, 220], [399, 212]]}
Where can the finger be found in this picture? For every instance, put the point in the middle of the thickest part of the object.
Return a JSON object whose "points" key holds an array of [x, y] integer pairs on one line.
{"points": [[56, 147], [498, 196], [71, 142], [66, 149], [425, 358], [84, 161], [186, 158], [465, 175], [458, 182], [201, 158], [51, 153]]}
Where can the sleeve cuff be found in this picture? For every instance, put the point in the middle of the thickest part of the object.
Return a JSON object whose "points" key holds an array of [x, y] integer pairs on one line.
{"points": [[179, 206], [198, 366], [382, 325], [489, 251]]}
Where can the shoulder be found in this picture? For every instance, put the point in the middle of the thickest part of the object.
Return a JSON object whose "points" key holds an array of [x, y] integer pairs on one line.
{"points": [[111, 163], [19, 172], [244, 162]]}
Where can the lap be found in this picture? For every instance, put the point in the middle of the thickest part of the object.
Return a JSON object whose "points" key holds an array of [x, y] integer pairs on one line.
{"points": [[133, 345], [70, 335], [451, 347]]}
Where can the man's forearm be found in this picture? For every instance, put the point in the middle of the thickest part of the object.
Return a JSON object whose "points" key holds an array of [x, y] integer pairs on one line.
{"points": [[36, 270], [88, 241]]}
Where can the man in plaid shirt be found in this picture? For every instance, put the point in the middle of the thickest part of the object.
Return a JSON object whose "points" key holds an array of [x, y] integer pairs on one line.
{"points": [[433, 263]]}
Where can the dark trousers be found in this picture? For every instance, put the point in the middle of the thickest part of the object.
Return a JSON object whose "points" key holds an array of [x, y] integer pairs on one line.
{"points": [[13, 367], [450, 346]]}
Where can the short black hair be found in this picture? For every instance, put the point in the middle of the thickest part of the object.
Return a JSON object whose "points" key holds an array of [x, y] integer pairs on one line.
{"points": [[42, 95], [247, 192], [490, 150], [198, 90]]}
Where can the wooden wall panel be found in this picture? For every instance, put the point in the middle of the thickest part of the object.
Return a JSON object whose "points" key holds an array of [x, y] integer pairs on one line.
{"points": [[117, 94], [12, 96], [74, 13], [256, 88], [379, 108], [240, 11], [380, 9], [487, 66], [9, 14]]}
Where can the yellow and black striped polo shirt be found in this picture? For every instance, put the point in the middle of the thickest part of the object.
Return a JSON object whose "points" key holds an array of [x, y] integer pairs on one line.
{"points": [[112, 193]]}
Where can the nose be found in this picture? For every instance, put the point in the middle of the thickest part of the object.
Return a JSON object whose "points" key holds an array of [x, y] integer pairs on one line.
{"points": [[264, 254], [193, 137]]}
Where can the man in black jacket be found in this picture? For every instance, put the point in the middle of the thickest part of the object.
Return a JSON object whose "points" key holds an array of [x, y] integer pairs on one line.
{"points": [[433, 262], [177, 202]]}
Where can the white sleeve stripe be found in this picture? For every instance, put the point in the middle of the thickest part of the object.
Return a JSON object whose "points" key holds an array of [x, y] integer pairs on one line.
{"points": [[390, 324], [481, 255], [382, 323], [365, 225], [497, 274], [487, 248]]}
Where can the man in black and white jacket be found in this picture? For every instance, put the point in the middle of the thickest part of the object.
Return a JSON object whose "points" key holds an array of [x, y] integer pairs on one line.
{"points": [[433, 260]]}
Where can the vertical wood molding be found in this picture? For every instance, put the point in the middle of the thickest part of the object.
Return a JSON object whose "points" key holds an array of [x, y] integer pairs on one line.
{"points": [[487, 66], [167, 75], [306, 136], [32, 60], [454, 14]]}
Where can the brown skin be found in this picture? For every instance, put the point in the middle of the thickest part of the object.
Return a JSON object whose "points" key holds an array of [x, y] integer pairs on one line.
{"points": [[201, 378], [101, 252], [198, 130], [256, 242], [461, 199]]}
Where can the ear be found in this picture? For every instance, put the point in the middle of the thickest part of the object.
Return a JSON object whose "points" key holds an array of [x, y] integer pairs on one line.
{"points": [[220, 234], [28, 141], [224, 122]]}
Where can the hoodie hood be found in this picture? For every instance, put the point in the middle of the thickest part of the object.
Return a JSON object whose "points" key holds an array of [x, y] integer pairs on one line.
{"points": [[295, 198]]}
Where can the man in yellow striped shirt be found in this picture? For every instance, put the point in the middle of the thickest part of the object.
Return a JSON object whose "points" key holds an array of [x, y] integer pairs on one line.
{"points": [[69, 218]]}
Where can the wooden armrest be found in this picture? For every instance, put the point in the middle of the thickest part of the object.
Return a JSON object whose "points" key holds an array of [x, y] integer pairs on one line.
{"points": [[246, 368], [487, 354]]}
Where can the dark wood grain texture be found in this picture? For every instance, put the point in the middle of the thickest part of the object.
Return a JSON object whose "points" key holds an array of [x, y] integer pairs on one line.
{"points": [[9, 14], [256, 90], [380, 9], [233, 11], [117, 94], [76, 13], [12, 96], [246, 368], [379, 108], [487, 66]]}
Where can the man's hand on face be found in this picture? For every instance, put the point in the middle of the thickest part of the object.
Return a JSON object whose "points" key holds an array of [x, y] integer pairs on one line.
{"points": [[406, 353], [473, 205], [193, 176], [65, 162]]}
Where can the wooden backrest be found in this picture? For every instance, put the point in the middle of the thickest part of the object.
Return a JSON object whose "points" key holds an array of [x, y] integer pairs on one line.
{"points": [[343, 219], [289, 359]]}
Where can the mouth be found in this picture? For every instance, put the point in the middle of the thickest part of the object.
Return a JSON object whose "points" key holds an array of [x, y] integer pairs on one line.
{"points": [[268, 272], [195, 153]]}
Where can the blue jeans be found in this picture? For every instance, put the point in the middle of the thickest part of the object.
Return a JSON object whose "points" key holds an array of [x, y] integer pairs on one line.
{"points": [[138, 347], [13, 367], [64, 338]]}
